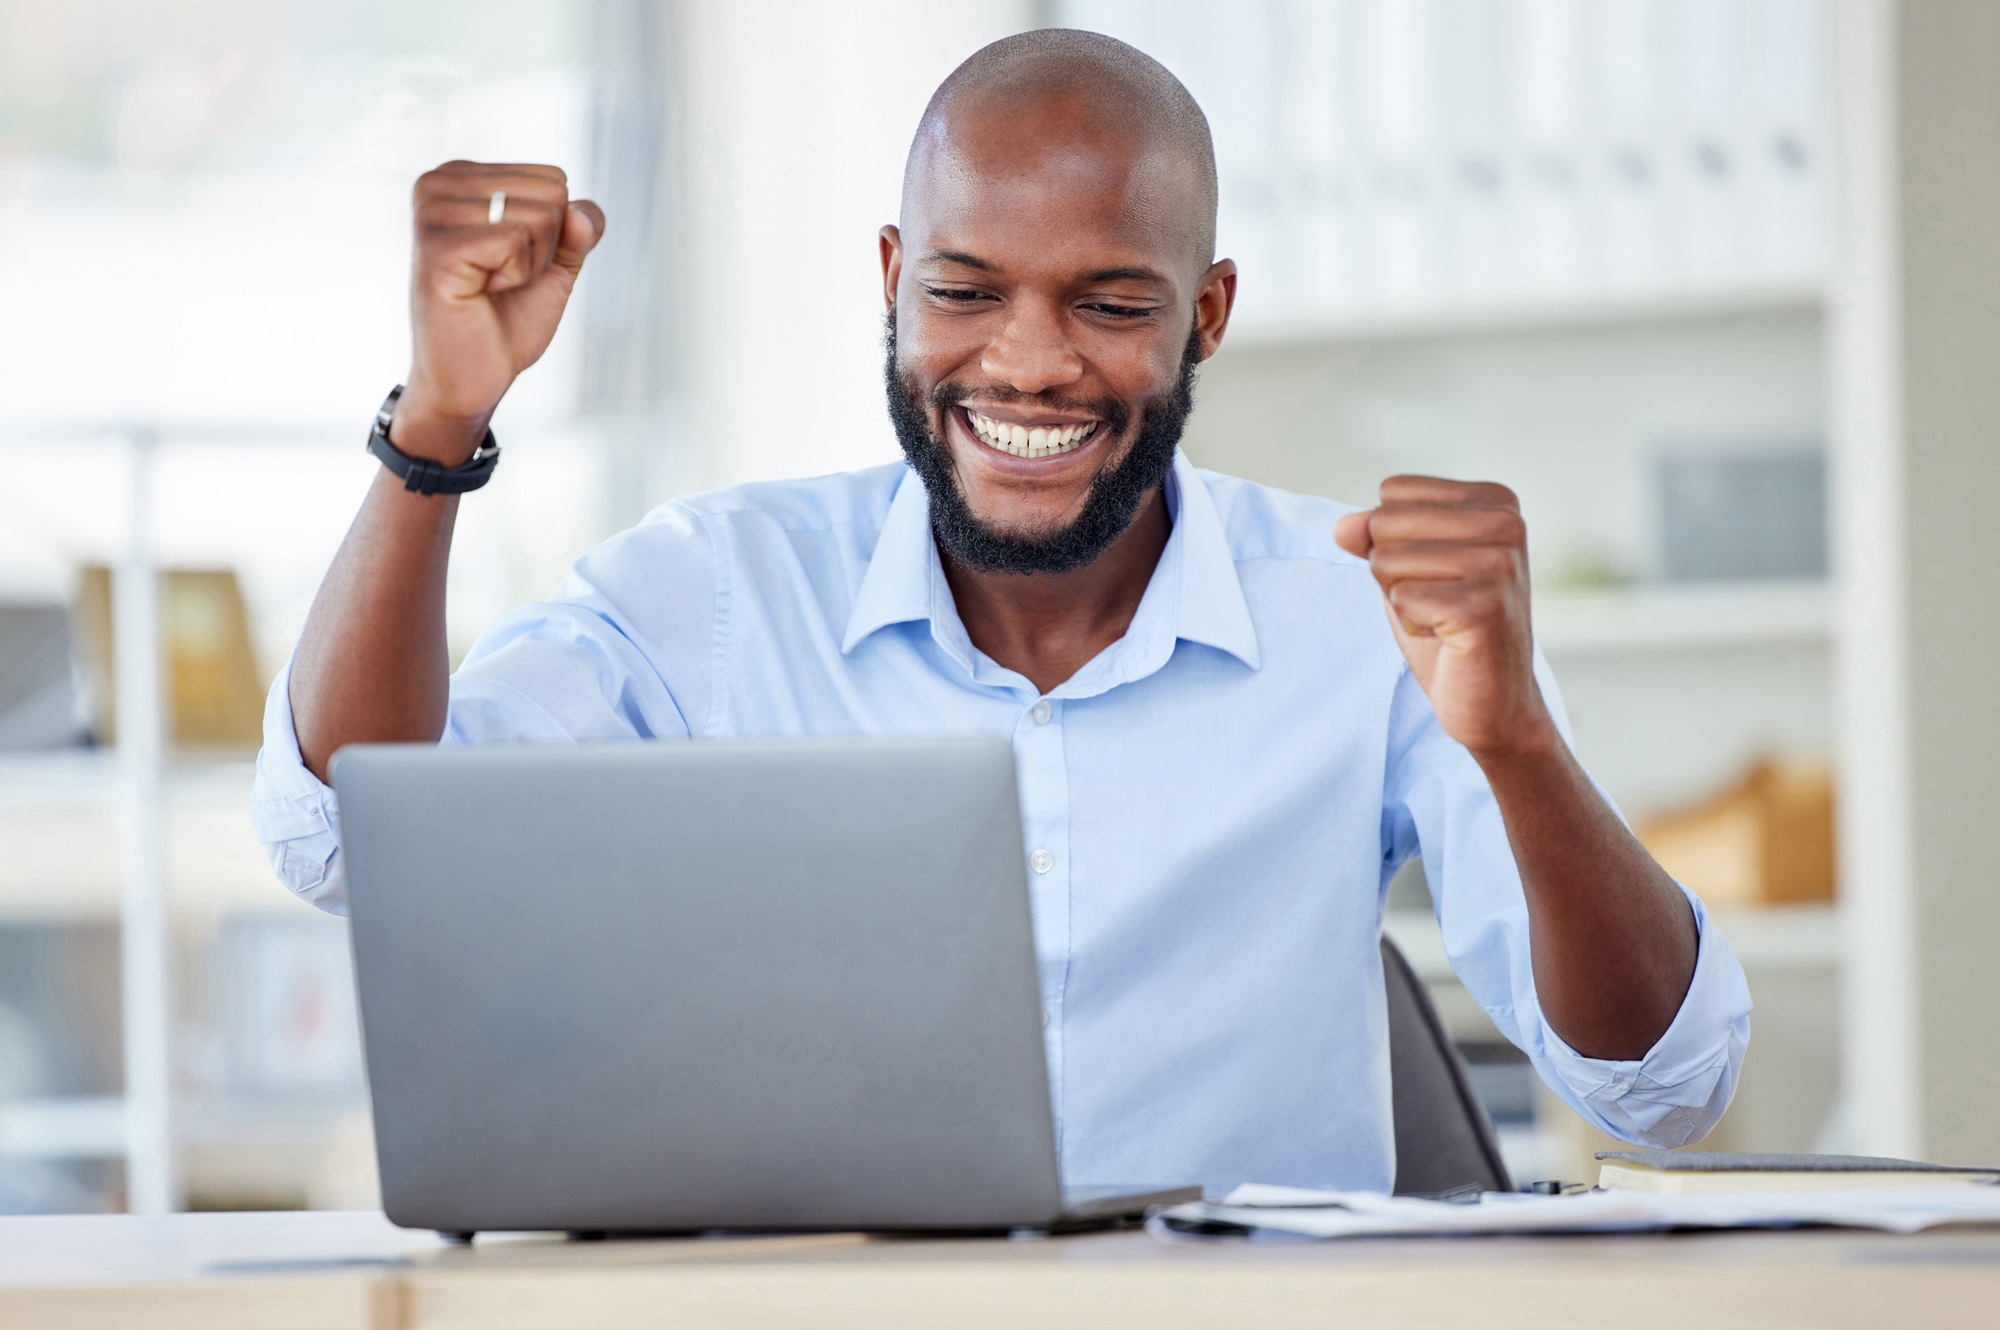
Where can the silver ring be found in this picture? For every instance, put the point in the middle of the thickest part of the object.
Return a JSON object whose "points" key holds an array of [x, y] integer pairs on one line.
{"points": [[496, 207]]}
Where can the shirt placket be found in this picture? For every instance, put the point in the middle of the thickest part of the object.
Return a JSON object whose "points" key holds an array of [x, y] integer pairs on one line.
{"points": [[1044, 779]]}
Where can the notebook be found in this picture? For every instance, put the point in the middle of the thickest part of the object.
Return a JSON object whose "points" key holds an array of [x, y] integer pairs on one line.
{"points": [[1676, 1172]]}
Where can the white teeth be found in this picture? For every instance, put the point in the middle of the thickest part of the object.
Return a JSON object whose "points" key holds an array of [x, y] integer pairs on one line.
{"points": [[1022, 441]]}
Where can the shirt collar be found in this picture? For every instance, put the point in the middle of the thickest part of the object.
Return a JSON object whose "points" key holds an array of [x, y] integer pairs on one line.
{"points": [[1212, 608], [1194, 594], [897, 586]]}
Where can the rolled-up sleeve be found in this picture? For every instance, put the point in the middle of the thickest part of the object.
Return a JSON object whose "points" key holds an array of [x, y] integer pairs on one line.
{"points": [[296, 815], [1440, 805], [623, 649], [1678, 1091]]}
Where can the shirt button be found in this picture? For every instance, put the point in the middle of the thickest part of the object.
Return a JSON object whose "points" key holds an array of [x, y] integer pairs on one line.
{"points": [[1041, 861], [1045, 1018], [1042, 712]]}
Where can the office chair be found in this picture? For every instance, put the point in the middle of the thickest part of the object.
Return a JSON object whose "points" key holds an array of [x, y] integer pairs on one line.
{"points": [[1443, 1137]]}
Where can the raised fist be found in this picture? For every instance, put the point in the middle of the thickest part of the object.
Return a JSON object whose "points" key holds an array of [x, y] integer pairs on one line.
{"points": [[1452, 561], [498, 249]]}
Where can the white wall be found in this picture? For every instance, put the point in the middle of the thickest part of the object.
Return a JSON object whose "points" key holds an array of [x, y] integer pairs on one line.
{"points": [[1917, 341], [795, 119]]}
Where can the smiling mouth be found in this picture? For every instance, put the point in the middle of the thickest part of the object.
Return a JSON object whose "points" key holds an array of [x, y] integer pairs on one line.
{"points": [[1029, 440]]}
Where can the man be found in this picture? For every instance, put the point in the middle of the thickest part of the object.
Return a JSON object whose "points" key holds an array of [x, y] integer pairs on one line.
{"points": [[1225, 746]]}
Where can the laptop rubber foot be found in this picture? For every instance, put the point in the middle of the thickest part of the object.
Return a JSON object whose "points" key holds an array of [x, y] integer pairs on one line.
{"points": [[586, 1235], [458, 1237]]}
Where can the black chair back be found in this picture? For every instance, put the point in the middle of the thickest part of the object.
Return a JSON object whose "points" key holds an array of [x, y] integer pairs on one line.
{"points": [[1444, 1139]]}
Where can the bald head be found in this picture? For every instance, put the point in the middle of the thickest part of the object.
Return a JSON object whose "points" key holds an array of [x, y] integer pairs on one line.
{"points": [[1056, 92]]}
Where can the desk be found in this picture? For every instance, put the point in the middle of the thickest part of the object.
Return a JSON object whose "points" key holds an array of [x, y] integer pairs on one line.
{"points": [[323, 1271]]}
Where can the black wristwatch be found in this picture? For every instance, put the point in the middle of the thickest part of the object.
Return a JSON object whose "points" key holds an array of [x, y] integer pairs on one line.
{"points": [[421, 474]]}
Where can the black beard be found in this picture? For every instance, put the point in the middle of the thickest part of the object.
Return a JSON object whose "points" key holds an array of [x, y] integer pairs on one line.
{"points": [[1108, 510]]}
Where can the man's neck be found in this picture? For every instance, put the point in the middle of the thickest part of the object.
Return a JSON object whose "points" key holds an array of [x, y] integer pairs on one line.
{"points": [[1049, 626]]}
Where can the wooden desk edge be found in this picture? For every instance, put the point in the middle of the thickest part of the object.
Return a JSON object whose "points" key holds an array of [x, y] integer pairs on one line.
{"points": [[1947, 1279]]}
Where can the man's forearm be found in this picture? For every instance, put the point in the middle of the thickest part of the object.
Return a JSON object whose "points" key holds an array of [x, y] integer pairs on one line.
{"points": [[1613, 939], [498, 250], [372, 666]]}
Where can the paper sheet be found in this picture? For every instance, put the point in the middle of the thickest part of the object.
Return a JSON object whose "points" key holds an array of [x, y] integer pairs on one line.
{"points": [[1341, 1214]]}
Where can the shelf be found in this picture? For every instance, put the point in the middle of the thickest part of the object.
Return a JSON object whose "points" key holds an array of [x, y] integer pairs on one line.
{"points": [[1803, 296], [88, 778], [70, 1127], [1683, 617], [1783, 937], [60, 822], [1779, 937], [62, 779]]}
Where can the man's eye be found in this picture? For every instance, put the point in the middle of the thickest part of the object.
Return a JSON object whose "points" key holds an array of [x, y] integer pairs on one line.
{"points": [[955, 295], [1120, 311]]}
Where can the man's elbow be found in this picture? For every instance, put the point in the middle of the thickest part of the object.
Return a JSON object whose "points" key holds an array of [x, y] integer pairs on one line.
{"points": [[1661, 1116]]}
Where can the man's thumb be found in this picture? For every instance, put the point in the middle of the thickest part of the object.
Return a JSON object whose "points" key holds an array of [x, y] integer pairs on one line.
{"points": [[583, 227], [1351, 533]]}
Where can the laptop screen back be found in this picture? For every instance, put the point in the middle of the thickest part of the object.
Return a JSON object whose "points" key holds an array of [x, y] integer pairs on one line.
{"points": [[697, 985]]}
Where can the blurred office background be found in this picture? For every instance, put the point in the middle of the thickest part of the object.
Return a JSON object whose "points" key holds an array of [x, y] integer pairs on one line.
{"points": [[1646, 261]]}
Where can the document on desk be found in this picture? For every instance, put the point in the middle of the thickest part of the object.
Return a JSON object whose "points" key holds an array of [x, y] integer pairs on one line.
{"points": [[1295, 1212]]}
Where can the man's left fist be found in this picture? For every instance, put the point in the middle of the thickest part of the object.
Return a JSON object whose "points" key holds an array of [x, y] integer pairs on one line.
{"points": [[1452, 561]]}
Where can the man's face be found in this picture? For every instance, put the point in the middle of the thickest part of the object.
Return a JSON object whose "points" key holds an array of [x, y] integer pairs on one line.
{"points": [[1041, 295]]}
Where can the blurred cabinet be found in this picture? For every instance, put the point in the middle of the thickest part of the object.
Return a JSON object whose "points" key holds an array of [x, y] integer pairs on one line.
{"points": [[268, 1092], [214, 688]]}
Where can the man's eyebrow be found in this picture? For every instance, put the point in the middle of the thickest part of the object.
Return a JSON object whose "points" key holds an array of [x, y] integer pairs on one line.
{"points": [[1127, 275], [959, 257]]}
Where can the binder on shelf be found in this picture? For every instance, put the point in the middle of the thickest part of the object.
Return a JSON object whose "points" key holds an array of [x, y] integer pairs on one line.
{"points": [[1403, 159]]}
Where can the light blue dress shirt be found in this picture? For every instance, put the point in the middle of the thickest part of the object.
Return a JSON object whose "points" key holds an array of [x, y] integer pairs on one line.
{"points": [[1213, 806]]}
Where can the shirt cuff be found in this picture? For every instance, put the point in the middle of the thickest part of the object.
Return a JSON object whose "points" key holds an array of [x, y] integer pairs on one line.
{"points": [[295, 813], [1678, 1091]]}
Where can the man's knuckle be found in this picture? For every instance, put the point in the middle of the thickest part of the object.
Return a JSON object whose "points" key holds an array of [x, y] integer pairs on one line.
{"points": [[1510, 528]]}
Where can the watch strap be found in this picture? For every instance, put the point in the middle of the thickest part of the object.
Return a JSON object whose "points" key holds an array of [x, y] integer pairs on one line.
{"points": [[421, 475]]}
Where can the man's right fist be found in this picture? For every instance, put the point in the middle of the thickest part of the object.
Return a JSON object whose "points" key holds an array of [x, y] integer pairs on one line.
{"points": [[485, 294]]}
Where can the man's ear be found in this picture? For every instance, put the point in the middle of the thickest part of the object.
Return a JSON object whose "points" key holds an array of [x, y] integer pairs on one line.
{"points": [[1213, 300], [891, 241]]}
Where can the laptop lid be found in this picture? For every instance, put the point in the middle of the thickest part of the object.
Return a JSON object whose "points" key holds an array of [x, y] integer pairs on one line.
{"points": [[699, 985]]}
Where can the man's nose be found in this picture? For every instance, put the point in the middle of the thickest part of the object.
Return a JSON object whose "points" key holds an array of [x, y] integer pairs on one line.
{"points": [[1032, 352]]}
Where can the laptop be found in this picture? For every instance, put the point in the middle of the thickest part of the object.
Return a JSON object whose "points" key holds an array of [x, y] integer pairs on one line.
{"points": [[646, 987]]}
